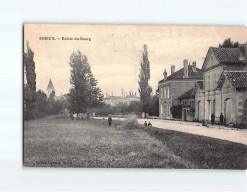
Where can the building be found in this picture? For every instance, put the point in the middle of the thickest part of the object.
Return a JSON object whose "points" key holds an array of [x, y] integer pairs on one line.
{"points": [[224, 85], [50, 88], [114, 100], [173, 86], [187, 102]]}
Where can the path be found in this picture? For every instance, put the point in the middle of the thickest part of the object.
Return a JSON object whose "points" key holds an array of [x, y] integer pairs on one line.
{"points": [[238, 136]]}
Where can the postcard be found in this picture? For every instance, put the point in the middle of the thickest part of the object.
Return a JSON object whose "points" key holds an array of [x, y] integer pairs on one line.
{"points": [[134, 96]]}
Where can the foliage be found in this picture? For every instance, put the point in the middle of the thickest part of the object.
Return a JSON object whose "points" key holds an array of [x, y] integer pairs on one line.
{"points": [[129, 123], [134, 107], [41, 104], [154, 106], [102, 110], [229, 44], [29, 68], [84, 92], [144, 89], [176, 112], [29, 103], [30, 85], [120, 109]]}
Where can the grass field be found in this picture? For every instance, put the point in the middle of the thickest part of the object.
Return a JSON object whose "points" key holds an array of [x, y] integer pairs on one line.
{"points": [[66, 143]]}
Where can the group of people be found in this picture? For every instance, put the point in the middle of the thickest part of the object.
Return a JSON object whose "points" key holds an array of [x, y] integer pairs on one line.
{"points": [[213, 118], [149, 124]]}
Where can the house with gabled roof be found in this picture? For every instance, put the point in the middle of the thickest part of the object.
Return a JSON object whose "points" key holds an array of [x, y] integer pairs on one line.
{"points": [[224, 89], [173, 86], [187, 101]]}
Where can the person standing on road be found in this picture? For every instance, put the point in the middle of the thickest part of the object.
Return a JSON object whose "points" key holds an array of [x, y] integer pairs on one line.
{"points": [[212, 118], [149, 124], [221, 118], [109, 120]]}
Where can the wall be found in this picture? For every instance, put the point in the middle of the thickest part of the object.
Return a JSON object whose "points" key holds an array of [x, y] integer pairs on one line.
{"points": [[199, 104], [211, 77], [241, 96], [208, 101], [228, 101]]}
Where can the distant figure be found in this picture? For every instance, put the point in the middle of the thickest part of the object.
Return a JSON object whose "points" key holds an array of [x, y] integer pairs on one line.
{"points": [[212, 118], [221, 118], [145, 124], [109, 120], [149, 124], [71, 116]]}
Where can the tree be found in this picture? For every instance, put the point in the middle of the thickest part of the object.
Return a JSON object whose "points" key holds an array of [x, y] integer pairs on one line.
{"points": [[41, 104], [229, 44], [95, 92], [29, 103], [154, 106], [176, 111], [29, 68], [144, 89], [30, 85], [84, 92], [51, 103]]}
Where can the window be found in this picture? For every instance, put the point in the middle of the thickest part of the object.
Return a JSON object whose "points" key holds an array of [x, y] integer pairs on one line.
{"points": [[192, 104], [168, 92], [161, 109], [161, 92], [168, 109], [213, 107], [165, 92]]}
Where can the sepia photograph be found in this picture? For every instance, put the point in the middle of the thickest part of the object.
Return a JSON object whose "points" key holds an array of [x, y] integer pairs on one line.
{"points": [[134, 96]]}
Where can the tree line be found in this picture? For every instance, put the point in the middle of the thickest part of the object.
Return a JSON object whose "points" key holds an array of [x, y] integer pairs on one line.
{"points": [[36, 103], [84, 95]]}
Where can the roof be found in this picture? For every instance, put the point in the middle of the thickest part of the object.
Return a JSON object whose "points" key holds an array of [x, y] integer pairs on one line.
{"points": [[198, 74], [226, 56], [200, 84], [237, 79], [50, 86], [188, 94], [229, 55]]}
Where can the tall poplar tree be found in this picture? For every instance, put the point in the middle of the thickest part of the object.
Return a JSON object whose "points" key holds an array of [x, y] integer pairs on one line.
{"points": [[30, 85], [144, 76]]}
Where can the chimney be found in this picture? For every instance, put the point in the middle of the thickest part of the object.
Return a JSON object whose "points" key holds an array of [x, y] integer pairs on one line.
{"points": [[194, 66], [165, 75], [186, 75], [172, 69], [243, 52]]}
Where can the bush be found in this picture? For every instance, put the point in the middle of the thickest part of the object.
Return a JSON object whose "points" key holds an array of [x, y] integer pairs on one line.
{"points": [[130, 123], [176, 112]]}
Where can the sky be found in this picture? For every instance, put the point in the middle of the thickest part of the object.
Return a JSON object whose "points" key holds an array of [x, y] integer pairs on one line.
{"points": [[114, 52]]}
